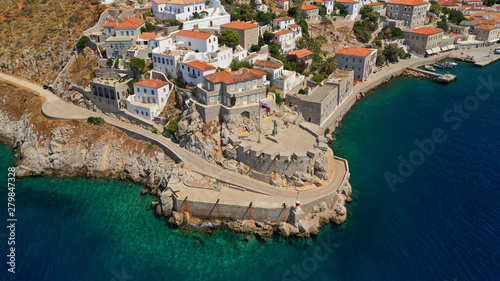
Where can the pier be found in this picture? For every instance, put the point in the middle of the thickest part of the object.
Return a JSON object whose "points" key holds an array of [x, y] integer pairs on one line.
{"points": [[444, 78]]}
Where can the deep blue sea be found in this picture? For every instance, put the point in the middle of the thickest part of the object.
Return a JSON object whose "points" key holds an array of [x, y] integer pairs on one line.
{"points": [[437, 218]]}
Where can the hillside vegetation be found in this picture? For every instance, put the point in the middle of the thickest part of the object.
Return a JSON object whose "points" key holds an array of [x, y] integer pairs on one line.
{"points": [[38, 36]]}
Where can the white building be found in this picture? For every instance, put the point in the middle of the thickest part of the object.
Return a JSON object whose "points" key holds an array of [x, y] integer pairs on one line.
{"points": [[286, 39], [329, 4], [163, 43], [177, 9], [283, 22], [149, 98], [352, 7], [271, 66], [123, 36], [212, 15], [197, 41], [193, 71]]}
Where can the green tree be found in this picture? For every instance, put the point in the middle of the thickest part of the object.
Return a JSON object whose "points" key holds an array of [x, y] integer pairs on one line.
{"points": [[330, 65], [322, 11], [236, 64], [265, 18], [255, 48], [443, 24], [137, 64], [229, 37], [82, 43], [261, 41], [342, 9], [380, 58], [456, 16], [396, 32], [148, 27], [369, 13], [279, 99], [393, 53]]}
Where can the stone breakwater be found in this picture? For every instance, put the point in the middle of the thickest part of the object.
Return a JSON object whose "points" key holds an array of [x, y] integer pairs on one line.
{"points": [[67, 152]]}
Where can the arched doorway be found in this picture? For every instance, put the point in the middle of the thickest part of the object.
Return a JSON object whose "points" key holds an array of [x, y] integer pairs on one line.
{"points": [[246, 114]]}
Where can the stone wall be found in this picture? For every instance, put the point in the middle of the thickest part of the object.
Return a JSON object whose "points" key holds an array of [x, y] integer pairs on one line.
{"points": [[240, 212], [297, 167]]}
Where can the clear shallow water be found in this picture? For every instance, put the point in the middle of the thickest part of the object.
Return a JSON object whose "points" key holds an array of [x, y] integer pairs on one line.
{"points": [[441, 223]]}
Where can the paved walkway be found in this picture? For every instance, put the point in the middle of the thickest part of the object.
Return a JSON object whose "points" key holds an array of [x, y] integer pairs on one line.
{"points": [[58, 109], [388, 71]]}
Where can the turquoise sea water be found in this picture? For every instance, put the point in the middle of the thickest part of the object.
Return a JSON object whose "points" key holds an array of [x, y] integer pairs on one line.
{"points": [[441, 223]]}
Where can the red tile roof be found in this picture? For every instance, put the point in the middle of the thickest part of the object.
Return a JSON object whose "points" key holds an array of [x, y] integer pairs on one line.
{"points": [[151, 83], [268, 63], [240, 25], [447, 3], [200, 65], [230, 77], [284, 31], [283, 18], [111, 24], [375, 4], [131, 22], [354, 51], [308, 7], [147, 35], [293, 25], [408, 2], [347, 1], [425, 30], [488, 27], [194, 34], [300, 53]]}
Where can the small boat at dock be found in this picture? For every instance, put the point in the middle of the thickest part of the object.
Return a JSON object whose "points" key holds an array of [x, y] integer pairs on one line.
{"points": [[439, 65], [430, 68]]}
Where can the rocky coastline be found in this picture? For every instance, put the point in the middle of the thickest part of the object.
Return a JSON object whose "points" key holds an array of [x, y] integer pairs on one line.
{"points": [[73, 148]]}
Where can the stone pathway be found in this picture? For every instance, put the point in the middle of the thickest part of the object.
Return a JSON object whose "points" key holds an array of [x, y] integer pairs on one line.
{"points": [[56, 108]]}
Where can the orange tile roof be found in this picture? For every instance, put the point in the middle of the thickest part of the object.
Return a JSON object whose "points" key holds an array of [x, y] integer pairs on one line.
{"points": [[230, 77], [131, 22], [147, 35], [425, 30], [283, 18], [151, 83], [354, 51], [258, 72], [293, 25], [375, 4], [319, 1], [111, 24], [240, 25], [447, 3], [347, 1], [408, 2], [200, 65], [300, 53], [308, 7], [179, 2], [488, 27], [284, 31], [194, 34], [268, 63]]}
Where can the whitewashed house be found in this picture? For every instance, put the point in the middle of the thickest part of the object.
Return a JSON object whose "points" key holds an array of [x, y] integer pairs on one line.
{"points": [[211, 15], [286, 39], [149, 98], [197, 41], [193, 71], [353, 7], [124, 36]]}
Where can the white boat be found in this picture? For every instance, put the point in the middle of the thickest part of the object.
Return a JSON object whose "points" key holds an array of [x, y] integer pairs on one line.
{"points": [[451, 64], [430, 68]]}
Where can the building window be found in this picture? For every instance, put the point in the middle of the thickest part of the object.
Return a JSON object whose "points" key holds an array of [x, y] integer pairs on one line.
{"points": [[127, 33], [121, 32], [211, 99], [132, 33]]}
